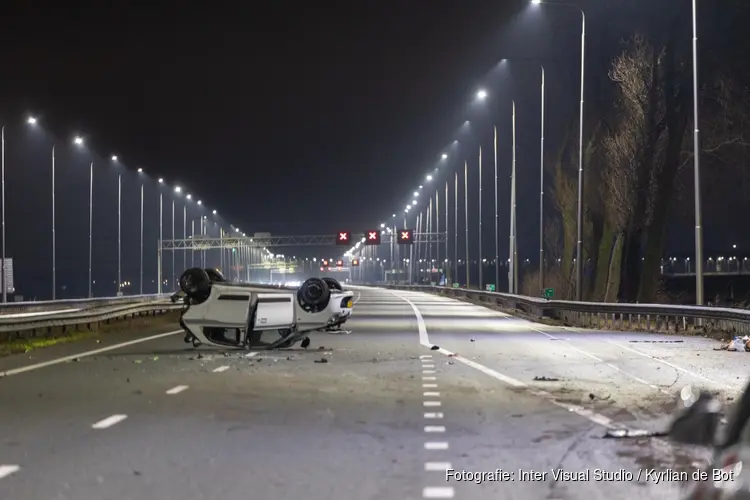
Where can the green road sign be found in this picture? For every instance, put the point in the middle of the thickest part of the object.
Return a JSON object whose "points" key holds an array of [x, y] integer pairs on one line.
{"points": [[456, 285], [549, 293], [490, 287]]}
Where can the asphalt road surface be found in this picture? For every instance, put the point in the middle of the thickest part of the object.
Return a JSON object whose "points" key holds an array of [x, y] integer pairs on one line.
{"points": [[144, 416]]}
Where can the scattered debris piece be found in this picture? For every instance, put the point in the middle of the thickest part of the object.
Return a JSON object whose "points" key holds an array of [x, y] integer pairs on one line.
{"points": [[321, 348], [546, 379], [227, 354], [435, 348], [736, 344], [200, 356], [633, 433], [451, 363], [156, 358], [76, 360], [656, 341], [412, 357], [472, 340], [136, 473], [453, 355], [591, 396], [137, 361], [321, 360]]}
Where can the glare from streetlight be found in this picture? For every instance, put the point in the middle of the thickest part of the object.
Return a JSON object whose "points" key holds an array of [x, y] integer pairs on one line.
{"points": [[200, 202], [482, 94], [177, 189], [416, 193], [114, 157], [78, 141], [414, 202], [189, 196], [140, 170], [161, 181], [444, 156], [382, 225], [31, 120], [214, 212], [536, 2], [429, 177], [394, 215]]}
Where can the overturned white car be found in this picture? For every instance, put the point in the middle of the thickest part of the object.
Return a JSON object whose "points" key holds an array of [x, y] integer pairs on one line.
{"points": [[254, 317]]}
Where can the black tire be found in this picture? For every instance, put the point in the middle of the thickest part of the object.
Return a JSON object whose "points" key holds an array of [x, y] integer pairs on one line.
{"points": [[333, 284], [196, 284], [215, 275], [313, 295]]}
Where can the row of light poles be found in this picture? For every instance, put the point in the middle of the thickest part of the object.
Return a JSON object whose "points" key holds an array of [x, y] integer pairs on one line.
{"points": [[79, 142], [579, 260]]}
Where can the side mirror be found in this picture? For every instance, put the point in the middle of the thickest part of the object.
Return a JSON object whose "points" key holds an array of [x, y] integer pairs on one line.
{"points": [[697, 425]]}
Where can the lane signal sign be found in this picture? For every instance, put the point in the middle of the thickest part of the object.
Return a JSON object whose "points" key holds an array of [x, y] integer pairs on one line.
{"points": [[405, 236], [325, 262], [339, 263], [372, 237], [343, 237], [355, 262]]}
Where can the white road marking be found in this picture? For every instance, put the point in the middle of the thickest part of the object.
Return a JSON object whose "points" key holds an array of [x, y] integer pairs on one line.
{"points": [[429, 386], [579, 410], [436, 445], [428, 366], [64, 359], [425, 356], [438, 492], [178, 389], [38, 313], [429, 372], [431, 394], [7, 470], [221, 369], [609, 365], [437, 466], [359, 296], [434, 428], [109, 421], [250, 354], [432, 403], [429, 378], [433, 415]]}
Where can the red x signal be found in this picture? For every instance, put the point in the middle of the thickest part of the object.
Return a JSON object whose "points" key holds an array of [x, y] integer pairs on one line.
{"points": [[325, 263], [339, 263], [405, 236], [343, 237], [372, 237], [355, 262]]}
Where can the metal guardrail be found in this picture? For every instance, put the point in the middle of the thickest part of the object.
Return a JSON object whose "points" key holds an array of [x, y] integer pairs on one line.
{"points": [[648, 317], [52, 305], [91, 319]]}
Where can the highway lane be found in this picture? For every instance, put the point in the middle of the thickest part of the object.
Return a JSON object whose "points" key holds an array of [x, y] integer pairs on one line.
{"points": [[381, 419]]}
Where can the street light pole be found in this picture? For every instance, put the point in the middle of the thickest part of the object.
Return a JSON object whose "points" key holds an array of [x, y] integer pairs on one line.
{"points": [[497, 217], [437, 229], [91, 220], [447, 223], [480, 220], [512, 280], [2, 279], [184, 234], [119, 233], [466, 218], [54, 238], [174, 277], [160, 270], [579, 242], [697, 172], [541, 197], [455, 229], [141, 291]]}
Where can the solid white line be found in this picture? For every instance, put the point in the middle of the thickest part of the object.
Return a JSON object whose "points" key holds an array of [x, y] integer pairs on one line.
{"points": [[431, 394], [7, 470], [434, 428], [437, 466], [432, 403], [425, 356], [37, 313], [428, 372], [429, 378], [438, 492], [109, 421], [433, 415], [178, 389], [579, 410], [429, 386], [221, 369], [439, 445], [64, 359]]}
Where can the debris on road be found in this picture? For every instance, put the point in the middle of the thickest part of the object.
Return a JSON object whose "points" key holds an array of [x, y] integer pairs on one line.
{"points": [[321, 360], [546, 379], [633, 433], [737, 344], [471, 340], [435, 348]]}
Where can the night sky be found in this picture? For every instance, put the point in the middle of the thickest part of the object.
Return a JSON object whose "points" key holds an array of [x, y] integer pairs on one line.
{"points": [[290, 117]]}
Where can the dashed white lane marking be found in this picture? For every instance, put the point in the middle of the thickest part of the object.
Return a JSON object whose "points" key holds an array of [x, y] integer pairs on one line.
{"points": [[7, 470], [431, 394], [221, 369], [109, 421], [425, 356], [65, 359], [438, 492], [178, 389], [429, 378], [579, 410], [433, 415], [428, 366], [434, 428], [436, 445], [433, 404], [437, 466], [429, 386], [429, 372]]}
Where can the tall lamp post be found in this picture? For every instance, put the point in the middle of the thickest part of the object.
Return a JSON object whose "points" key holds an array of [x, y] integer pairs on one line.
{"points": [[2, 279], [119, 228], [140, 172], [160, 260], [579, 216], [697, 164]]}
